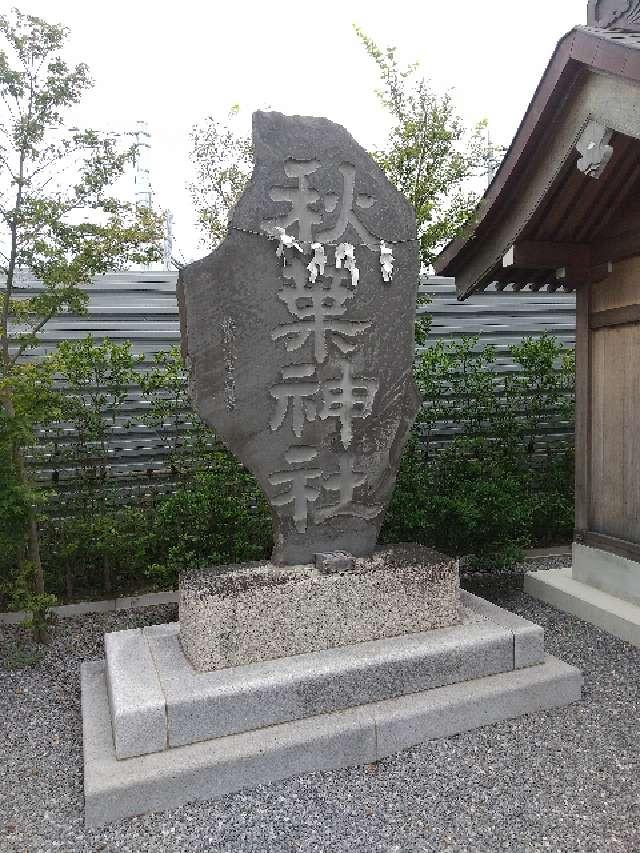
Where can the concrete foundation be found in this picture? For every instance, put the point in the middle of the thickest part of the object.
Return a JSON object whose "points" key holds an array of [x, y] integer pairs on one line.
{"points": [[231, 701], [117, 789], [262, 722], [610, 573], [559, 588]]}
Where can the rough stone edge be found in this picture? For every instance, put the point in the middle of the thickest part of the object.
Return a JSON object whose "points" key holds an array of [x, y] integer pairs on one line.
{"points": [[118, 789], [235, 586], [528, 638], [558, 588]]}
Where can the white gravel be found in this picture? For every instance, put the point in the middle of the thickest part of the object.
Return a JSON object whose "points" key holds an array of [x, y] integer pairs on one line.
{"points": [[566, 780]]}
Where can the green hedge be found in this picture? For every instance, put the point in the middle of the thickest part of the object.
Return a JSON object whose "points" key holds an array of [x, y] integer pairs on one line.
{"points": [[504, 482]]}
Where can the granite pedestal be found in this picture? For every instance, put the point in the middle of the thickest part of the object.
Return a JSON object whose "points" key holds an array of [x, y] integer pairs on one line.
{"points": [[234, 615], [159, 733]]}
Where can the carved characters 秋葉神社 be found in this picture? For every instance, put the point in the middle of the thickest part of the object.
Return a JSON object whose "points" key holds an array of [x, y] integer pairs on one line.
{"points": [[300, 333]]}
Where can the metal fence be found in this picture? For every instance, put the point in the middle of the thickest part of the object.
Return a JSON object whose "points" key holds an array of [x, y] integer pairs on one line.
{"points": [[499, 318], [141, 307]]}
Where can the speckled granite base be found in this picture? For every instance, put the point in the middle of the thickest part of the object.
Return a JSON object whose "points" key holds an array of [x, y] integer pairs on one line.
{"points": [[236, 615]]}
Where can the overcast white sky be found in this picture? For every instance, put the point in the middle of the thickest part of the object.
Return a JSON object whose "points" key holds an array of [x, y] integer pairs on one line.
{"points": [[171, 64]]}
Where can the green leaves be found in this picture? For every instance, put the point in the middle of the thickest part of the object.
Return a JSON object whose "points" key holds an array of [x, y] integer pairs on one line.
{"points": [[220, 517], [171, 415], [59, 218], [61, 222], [97, 379], [36, 84], [504, 481], [223, 160], [429, 155]]}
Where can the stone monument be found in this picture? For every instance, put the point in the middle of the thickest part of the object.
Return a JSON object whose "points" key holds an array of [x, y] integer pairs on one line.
{"points": [[299, 331]]}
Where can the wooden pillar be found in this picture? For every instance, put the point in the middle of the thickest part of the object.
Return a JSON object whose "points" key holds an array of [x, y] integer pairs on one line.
{"points": [[583, 407]]}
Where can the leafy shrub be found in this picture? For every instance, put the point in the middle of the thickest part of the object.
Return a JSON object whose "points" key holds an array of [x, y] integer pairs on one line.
{"points": [[505, 481], [219, 517]]}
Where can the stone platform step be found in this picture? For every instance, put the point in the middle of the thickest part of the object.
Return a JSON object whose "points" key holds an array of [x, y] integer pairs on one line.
{"points": [[558, 587], [159, 701], [115, 788], [158, 733]]}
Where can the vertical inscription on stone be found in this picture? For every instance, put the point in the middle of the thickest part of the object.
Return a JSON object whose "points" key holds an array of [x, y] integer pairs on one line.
{"points": [[228, 346], [316, 367]]}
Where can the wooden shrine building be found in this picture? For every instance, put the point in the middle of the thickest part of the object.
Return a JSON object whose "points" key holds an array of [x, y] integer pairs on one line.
{"points": [[564, 211]]}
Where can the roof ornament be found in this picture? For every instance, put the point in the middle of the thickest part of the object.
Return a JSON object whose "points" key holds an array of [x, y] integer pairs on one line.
{"points": [[614, 14], [595, 149]]}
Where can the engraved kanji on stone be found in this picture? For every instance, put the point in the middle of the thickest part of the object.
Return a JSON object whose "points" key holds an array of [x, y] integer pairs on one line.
{"points": [[318, 310], [303, 200], [313, 331], [299, 493], [346, 398], [300, 197], [294, 393], [347, 215], [345, 482]]}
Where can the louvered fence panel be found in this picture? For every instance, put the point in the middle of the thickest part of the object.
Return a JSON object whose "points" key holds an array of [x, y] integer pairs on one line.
{"points": [[500, 319], [141, 307]]}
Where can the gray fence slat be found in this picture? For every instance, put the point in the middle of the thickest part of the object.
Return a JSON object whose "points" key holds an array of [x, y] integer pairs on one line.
{"points": [[141, 306]]}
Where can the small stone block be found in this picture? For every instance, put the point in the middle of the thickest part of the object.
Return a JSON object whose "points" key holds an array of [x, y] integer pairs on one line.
{"points": [[82, 608], [338, 561], [13, 617], [151, 599], [137, 702], [528, 638]]}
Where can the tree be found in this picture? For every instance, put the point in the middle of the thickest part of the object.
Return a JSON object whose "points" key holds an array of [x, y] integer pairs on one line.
{"points": [[60, 220], [223, 160], [97, 379], [429, 154], [189, 442]]}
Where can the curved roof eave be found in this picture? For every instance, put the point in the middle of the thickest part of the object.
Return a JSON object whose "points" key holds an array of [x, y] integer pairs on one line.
{"points": [[590, 48]]}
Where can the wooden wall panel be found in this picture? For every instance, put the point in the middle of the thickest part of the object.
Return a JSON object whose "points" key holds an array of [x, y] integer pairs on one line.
{"points": [[583, 406], [631, 444], [597, 450], [620, 288], [615, 423]]}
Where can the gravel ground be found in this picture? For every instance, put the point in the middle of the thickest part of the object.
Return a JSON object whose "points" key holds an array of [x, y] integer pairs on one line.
{"points": [[566, 780]]}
